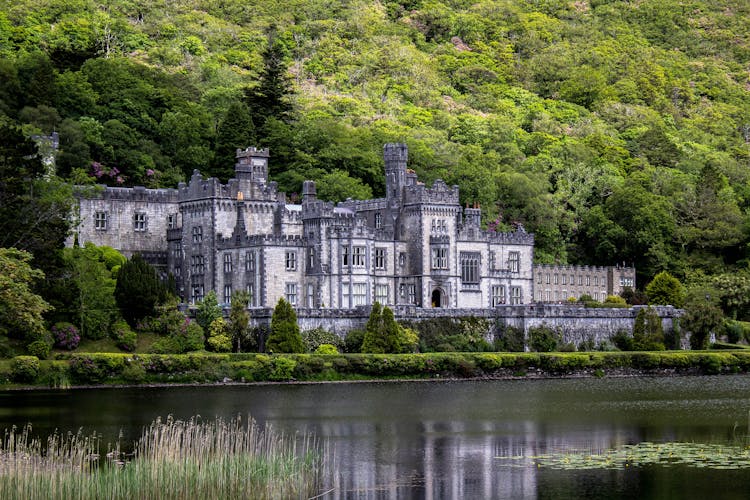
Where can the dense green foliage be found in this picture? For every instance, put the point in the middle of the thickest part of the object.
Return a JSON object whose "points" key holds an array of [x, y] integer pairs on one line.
{"points": [[210, 368], [21, 309], [615, 131], [383, 335], [665, 290], [138, 290], [285, 335]]}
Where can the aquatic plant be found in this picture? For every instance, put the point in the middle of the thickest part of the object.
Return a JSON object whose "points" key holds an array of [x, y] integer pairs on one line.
{"points": [[701, 455], [172, 459]]}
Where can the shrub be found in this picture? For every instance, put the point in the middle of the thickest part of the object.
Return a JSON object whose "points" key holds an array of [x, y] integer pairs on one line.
{"points": [[353, 340], [466, 334], [615, 300], [285, 335], [218, 336], [24, 368], [544, 339], [326, 349], [66, 336], [509, 338], [623, 340], [282, 368], [318, 336], [125, 338], [39, 349]]}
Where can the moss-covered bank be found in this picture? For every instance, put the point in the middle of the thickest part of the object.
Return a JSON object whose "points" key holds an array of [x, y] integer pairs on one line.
{"points": [[116, 369]]}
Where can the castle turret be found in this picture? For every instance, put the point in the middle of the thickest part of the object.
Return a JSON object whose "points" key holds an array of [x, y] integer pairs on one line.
{"points": [[395, 156], [252, 165], [472, 216], [308, 191]]}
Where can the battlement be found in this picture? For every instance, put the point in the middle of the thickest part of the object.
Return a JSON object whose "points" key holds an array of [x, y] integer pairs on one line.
{"points": [[138, 193], [571, 268], [439, 193]]}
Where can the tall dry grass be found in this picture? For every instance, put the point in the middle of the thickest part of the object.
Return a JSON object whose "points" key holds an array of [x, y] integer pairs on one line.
{"points": [[174, 459]]}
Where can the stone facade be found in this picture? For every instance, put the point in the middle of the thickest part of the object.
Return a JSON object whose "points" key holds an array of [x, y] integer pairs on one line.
{"points": [[559, 283], [416, 247]]}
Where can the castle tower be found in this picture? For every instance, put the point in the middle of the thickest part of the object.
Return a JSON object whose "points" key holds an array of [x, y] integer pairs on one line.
{"points": [[396, 156], [252, 165], [473, 216], [308, 191]]}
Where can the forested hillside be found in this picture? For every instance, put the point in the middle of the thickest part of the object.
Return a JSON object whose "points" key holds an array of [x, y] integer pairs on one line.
{"points": [[615, 131]]}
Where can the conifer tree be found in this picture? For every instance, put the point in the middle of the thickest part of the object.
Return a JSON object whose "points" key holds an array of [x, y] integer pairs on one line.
{"points": [[138, 290], [236, 131], [374, 341], [285, 335], [239, 319]]}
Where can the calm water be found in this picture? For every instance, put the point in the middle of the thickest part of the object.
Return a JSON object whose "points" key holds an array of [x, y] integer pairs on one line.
{"points": [[442, 439]]}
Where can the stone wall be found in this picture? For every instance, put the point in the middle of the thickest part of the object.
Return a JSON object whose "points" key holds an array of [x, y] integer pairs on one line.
{"points": [[577, 324]]}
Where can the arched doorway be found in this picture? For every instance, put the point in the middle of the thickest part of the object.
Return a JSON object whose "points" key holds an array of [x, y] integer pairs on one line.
{"points": [[437, 298]]}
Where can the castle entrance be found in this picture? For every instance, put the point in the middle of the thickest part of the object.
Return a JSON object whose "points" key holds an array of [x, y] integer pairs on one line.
{"points": [[437, 298]]}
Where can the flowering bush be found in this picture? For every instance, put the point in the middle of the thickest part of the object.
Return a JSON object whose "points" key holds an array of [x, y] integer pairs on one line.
{"points": [[66, 336]]}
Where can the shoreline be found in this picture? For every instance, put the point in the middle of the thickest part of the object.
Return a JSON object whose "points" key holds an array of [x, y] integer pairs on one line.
{"points": [[532, 375]]}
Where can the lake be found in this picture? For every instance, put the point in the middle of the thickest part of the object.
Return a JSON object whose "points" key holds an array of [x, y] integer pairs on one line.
{"points": [[568, 438]]}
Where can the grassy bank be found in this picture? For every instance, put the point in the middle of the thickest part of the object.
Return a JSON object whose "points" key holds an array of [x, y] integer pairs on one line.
{"points": [[173, 459], [113, 369]]}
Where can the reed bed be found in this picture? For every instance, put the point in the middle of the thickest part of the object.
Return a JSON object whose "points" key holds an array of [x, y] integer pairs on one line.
{"points": [[174, 459]]}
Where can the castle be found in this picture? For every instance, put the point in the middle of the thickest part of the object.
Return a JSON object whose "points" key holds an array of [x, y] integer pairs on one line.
{"points": [[416, 247]]}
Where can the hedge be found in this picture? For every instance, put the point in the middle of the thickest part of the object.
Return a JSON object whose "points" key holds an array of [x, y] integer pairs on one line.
{"points": [[106, 368]]}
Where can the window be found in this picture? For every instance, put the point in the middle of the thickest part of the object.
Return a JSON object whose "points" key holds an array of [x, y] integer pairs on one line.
{"points": [[171, 221], [588, 280], [470, 267], [401, 259], [228, 263], [626, 281], [515, 295], [596, 280], [564, 279], [572, 280], [197, 234], [310, 258], [291, 293], [197, 293], [359, 292], [345, 256], [412, 291], [539, 279], [251, 293], [539, 296], [440, 258], [439, 226], [100, 221], [580, 279], [177, 251], [249, 261], [291, 261], [514, 261], [197, 265], [380, 258], [358, 257], [227, 294], [557, 279], [139, 221], [310, 295], [498, 295], [546, 278], [378, 220], [548, 293], [381, 294]]}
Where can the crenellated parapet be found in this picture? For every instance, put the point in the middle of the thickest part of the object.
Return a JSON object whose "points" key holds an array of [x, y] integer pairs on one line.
{"points": [[472, 233], [134, 194], [317, 209], [438, 193]]}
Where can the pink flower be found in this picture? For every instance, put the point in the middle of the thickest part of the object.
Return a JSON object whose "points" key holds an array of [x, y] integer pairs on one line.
{"points": [[149, 172]]}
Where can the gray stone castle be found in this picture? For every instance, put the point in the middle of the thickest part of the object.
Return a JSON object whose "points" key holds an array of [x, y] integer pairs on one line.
{"points": [[416, 247]]}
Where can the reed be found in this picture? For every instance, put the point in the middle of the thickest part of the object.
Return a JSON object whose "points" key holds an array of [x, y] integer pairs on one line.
{"points": [[173, 459]]}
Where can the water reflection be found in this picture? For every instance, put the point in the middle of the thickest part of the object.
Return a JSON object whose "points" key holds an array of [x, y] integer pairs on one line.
{"points": [[441, 439]]}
